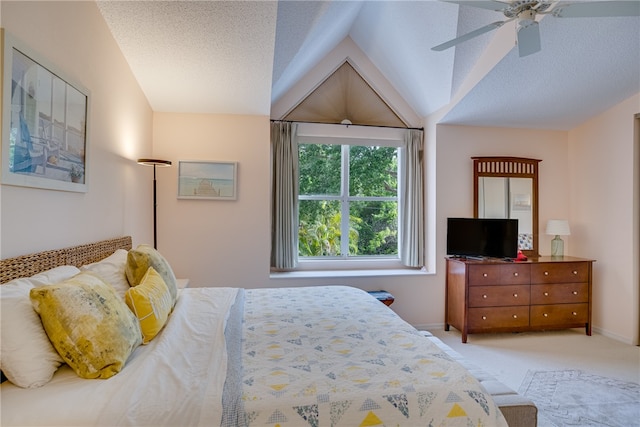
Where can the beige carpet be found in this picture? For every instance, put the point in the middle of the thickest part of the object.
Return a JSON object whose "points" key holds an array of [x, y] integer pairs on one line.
{"points": [[577, 398], [514, 358], [510, 356]]}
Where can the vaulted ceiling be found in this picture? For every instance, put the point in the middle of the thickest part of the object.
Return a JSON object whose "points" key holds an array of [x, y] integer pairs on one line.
{"points": [[345, 97], [242, 57]]}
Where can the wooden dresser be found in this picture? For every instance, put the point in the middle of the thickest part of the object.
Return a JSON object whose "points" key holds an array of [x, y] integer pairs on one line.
{"points": [[500, 296]]}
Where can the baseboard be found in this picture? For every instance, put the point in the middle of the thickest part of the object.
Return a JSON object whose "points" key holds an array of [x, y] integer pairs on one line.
{"points": [[599, 331], [428, 326], [613, 336]]}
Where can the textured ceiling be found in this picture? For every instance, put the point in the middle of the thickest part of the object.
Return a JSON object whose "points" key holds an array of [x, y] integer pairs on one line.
{"points": [[198, 56], [242, 57], [585, 67]]}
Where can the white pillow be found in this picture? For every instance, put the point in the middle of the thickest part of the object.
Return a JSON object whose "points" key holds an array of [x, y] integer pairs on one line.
{"points": [[53, 276], [27, 357], [111, 271]]}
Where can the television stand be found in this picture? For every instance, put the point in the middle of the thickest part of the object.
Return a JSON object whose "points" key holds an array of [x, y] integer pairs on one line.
{"points": [[493, 295]]}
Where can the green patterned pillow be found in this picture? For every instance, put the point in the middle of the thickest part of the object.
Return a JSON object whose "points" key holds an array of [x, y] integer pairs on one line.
{"points": [[91, 328], [138, 262]]}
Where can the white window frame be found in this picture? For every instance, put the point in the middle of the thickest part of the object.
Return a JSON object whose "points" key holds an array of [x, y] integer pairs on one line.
{"points": [[352, 135]]}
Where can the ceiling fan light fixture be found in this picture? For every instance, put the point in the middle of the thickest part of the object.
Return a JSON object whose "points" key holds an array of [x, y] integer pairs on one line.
{"points": [[526, 18]]}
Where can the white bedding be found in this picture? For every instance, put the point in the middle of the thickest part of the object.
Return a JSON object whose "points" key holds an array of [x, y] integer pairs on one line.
{"points": [[310, 357], [176, 380]]}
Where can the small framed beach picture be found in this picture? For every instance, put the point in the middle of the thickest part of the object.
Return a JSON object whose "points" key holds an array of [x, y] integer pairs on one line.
{"points": [[207, 180], [44, 123], [521, 202]]}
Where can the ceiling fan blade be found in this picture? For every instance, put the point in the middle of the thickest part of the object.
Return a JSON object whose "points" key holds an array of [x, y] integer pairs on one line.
{"points": [[469, 36], [528, 39], [483, 4], [597, 9]]}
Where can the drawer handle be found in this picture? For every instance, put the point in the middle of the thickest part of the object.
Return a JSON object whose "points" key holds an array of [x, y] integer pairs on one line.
{"points": [[546, 273], [575, 292], [484, 317], [484, 296], [515, 274], [515, 295], [575, 272], [574, 313], [515, 316], [484, 274], [545, 315], [546, 294]]}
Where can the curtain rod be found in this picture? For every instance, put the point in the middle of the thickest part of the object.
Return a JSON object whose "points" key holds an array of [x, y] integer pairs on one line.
{"points": [[347, 125]]}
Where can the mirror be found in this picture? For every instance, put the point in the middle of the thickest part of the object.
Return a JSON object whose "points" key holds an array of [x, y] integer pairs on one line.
{"points": [[507, 187]]}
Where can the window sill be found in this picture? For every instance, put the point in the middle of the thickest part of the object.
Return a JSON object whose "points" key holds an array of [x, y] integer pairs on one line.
{"points": [[311, 274]]}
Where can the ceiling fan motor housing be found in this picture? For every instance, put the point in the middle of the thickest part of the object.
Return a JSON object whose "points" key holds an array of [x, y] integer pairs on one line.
{"points": [[516, 8]]}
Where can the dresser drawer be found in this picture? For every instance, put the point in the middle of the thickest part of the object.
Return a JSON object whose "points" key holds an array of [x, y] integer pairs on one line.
{"points": [[502, 317], [499, 274], [560, 272], [489, 296], [559, 314], [559, 293]]}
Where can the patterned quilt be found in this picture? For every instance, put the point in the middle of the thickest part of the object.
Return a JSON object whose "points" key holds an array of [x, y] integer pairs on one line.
{"points": [[335, 356]]}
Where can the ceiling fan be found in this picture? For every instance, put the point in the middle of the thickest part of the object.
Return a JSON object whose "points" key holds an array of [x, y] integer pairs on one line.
{"points": [[524, 13]]}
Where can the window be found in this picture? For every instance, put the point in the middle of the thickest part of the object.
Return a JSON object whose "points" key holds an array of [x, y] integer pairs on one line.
{"points": [[348, 200]]}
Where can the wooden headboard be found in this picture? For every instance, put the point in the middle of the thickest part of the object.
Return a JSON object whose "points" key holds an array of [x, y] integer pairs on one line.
{"points": [[28, 265]]}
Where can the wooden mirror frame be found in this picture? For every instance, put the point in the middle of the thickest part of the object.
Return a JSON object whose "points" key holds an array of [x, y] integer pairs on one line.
{"points": [[510, 167]]}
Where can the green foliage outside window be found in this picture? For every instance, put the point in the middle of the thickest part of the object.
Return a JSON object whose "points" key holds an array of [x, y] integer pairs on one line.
{"points": [[319, 230], [372, 222]]}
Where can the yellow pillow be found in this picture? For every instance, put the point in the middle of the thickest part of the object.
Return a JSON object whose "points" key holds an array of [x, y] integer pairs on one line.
{"points": [[138, 262], [151, 302], [91, 328]]}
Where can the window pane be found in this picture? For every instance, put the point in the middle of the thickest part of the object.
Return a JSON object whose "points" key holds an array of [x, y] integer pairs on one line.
{"points": [[319, 228], [319, 169], [373, 228], [373, 171]]}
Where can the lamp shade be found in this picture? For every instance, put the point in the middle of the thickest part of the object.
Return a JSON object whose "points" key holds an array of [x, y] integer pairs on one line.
{"points": [[154, 162], [558, 227]]}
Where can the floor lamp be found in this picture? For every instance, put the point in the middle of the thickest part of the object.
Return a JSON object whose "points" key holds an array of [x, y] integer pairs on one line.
{"points": [[154, 163]]}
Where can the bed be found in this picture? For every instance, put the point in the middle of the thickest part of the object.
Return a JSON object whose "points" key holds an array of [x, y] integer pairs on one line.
{"points": [[306, 356]]}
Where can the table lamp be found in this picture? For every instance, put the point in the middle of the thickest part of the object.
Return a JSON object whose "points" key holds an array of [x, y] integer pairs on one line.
{"points": [[557, 227]]}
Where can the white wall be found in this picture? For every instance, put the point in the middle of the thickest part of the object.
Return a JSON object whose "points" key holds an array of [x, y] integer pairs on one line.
{"points": [[227, 243], [602, 191], [456, 146], [215, 242], [74, 37]]}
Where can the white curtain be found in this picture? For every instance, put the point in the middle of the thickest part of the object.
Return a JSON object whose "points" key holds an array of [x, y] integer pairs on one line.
{"points": [[284, 198], [412, 200]]}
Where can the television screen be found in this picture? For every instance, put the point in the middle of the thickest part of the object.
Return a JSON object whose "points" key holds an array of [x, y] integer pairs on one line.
{"points": [[482, 237]]}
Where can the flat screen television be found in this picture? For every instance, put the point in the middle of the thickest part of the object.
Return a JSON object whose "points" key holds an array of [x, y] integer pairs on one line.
{"points": [[482, 237]]}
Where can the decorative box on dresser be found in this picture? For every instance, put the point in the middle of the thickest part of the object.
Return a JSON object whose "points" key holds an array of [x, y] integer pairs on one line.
{"points": [[494, 295]]}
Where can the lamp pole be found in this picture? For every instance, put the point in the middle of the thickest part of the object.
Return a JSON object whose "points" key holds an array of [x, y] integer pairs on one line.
{"points": [[154, 163], [155, 210]]}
